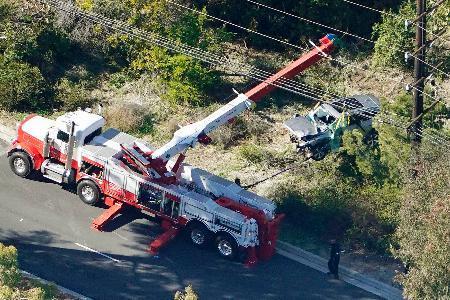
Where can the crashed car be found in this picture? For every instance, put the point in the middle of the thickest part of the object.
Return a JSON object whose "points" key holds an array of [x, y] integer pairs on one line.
{"points": [[320, 131]]}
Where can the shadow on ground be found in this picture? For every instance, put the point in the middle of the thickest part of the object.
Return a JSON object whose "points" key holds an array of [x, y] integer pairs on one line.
{"points": [[146, 277]]}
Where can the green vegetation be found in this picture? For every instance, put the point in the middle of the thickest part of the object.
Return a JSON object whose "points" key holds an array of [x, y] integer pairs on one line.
{"points": [[13, 286], [361, 195], [187, 294], [424, 229], [22, 87]]}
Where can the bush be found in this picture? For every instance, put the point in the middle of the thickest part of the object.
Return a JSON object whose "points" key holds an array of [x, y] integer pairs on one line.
{"points": [[184, 78], [188, 294], [255, 154], [22, 88], [72, 95], [9, 266], [392, 38], [133, 119], [7, 293], [424, 228], [322, 211], [36, 294], [12, 286], [241, 128]]}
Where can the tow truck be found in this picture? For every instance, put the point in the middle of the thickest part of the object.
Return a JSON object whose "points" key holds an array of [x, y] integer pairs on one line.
{"points": [[119, 170]]}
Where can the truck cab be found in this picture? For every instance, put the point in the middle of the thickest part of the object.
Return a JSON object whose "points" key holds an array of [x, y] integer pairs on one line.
{"points": [[53, 147]]}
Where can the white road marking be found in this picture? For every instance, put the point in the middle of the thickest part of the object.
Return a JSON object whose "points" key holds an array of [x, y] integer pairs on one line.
{"points": [[122, 237], [97, 252]]}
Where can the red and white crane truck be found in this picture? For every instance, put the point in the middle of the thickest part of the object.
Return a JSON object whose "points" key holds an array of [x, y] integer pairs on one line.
{"points": [[120, 170]]}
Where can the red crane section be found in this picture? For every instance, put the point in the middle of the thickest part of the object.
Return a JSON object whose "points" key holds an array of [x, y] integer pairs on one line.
{"points": [[298, 66]]}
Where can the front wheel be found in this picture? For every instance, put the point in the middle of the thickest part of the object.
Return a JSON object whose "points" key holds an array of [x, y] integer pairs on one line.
{"points": [[20, 164], [199, 235], [226, 246], [320, 153], [88, 192]]}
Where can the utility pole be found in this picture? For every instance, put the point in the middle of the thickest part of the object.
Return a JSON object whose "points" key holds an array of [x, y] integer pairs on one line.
{"points": [[419, 71]]}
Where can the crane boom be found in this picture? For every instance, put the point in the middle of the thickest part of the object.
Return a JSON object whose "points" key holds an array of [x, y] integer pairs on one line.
{"points": [[293, 69], [190, 135]]}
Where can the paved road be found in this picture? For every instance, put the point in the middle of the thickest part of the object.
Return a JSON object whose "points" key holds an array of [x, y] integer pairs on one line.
{"points": [[50, 226]]}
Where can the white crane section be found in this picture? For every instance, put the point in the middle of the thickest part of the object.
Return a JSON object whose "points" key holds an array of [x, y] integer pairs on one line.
{"points": [[188, 136]]}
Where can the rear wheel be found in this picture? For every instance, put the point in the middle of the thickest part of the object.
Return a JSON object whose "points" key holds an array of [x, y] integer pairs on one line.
{"points": [[88, 192], [20, 164], [226, 246]]}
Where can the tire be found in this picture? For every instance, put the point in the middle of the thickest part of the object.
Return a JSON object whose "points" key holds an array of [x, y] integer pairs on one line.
{"points": [[226, 246], [371, 138], [199, 235], [319, 153], [20, 164], [88, 192]]}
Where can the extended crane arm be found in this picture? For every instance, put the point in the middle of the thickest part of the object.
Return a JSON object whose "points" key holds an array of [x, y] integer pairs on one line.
{"points": [[293, 69], [190, 135]]}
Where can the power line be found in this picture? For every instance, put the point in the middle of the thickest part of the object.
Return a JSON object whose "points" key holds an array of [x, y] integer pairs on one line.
{"points": [[253, 31], [175, 46], [430, 65], [272, 38], [235, 25], [310, 21], [259, 75], [370, 8], [387, 13]]}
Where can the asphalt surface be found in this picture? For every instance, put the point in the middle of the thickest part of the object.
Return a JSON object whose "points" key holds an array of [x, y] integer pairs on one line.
{"points": [[51, 228]]}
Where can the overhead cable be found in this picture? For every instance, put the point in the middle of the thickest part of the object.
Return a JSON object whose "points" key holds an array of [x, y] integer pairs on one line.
{"points": [[260, 75], [311, 21]]}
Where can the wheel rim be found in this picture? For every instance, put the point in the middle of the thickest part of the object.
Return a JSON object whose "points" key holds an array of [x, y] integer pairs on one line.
{"points": [[225, 248], [88, 193], [19, 165], [197, 237]]}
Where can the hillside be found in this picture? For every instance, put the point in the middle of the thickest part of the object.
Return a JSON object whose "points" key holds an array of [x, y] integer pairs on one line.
{"points": [[52, 62]]}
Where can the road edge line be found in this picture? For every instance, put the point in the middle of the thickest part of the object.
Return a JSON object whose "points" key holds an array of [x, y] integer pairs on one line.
{"points": [[352, 277], [63, 290]]}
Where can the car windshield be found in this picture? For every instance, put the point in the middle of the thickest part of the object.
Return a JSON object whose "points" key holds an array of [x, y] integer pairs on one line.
{"points": [[324, 115]]}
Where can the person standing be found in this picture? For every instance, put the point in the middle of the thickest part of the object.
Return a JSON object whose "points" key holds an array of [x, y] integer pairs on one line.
{"points": [[335, 256]]}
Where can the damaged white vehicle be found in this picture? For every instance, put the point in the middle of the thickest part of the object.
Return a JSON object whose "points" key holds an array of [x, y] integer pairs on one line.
{"points": [[320, 131]]}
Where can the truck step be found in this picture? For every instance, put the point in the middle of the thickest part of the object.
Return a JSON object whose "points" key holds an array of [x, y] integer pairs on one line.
{"points": [[53, 171]]}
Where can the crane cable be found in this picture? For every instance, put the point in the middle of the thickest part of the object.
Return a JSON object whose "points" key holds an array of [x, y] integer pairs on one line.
{"points": [[264, 35], [291, 167], [188, 50]]}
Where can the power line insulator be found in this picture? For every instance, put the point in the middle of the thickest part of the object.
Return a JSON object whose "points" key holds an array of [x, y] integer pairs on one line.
{"points": [[407, 56], [408, 87], [407, 24]]}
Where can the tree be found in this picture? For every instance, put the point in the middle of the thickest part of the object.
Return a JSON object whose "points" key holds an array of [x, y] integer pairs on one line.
{"points": [[9, 267], [424, 229], [188, 294], [10, 279], [22, 87], [393, 39], [184, 79]]}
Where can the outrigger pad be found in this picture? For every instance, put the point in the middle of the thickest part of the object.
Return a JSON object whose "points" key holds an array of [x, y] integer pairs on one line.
{"points": [[106, 216], [163, 239]]}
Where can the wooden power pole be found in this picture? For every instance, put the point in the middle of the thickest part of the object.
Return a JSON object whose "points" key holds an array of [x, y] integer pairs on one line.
{"points": [[419, 71]]}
